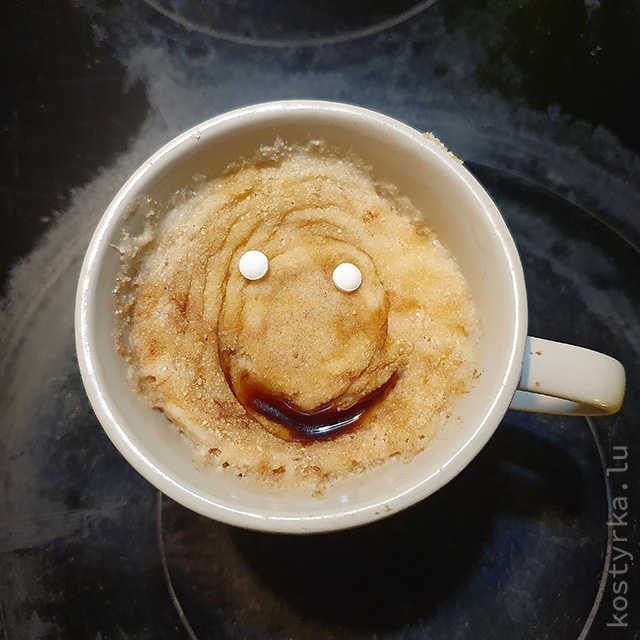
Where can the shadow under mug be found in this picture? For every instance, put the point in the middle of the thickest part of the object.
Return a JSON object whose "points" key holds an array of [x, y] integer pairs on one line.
{"points": [[517, 371]]}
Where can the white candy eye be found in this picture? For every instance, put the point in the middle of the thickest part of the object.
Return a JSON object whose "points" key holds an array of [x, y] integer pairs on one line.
{"points": [[253, 265], [347, 277]]}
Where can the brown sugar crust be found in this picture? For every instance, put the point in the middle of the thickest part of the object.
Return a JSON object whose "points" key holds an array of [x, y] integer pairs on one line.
{"points": [[192, 327]]}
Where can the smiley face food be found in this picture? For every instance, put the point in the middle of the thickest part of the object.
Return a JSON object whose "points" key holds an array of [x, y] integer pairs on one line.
{"points": [[287, 378]]}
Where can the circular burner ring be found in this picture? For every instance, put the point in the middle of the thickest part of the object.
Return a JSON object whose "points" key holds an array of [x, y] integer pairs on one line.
{"points": [[235, 13]]}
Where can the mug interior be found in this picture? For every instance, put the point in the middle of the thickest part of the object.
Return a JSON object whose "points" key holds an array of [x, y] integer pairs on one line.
{"points": [[455, 206]]}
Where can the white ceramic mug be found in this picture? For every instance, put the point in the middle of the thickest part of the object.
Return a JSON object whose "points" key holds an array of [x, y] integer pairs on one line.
{"points": [[517, 371]]}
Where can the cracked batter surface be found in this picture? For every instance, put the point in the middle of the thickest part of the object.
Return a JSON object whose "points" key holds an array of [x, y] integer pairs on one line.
{"points": [[207, 347]]}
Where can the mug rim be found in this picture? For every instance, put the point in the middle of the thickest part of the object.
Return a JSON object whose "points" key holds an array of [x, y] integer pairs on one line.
{"points": [[199, 136]]}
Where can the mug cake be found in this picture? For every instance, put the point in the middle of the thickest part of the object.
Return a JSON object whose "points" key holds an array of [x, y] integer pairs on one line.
{"points": [[283, 375]]}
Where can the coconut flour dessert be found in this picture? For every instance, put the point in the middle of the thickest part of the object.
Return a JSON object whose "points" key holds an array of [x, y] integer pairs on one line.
{"points": [[287, 378]]}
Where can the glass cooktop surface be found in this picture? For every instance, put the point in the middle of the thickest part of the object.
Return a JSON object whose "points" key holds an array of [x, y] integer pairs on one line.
{"points": [[537, 538]]}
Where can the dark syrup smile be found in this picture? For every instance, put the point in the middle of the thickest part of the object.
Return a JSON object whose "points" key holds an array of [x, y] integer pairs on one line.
{"points": [[322, 424]]}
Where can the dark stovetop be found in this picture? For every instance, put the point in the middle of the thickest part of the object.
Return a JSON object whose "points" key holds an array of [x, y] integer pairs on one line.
{"points": [[533, 540]]}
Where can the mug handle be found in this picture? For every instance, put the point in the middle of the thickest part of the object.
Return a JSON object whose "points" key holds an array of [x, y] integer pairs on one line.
{"points": [[564, 379]]}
